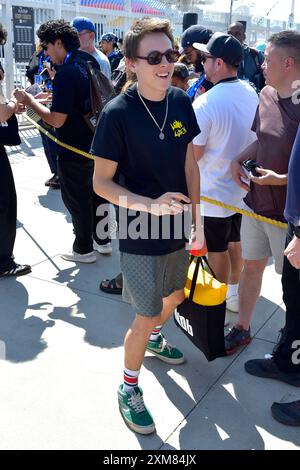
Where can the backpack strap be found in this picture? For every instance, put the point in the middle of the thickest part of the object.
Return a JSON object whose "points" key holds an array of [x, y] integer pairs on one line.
{"points": [[254, 55]]}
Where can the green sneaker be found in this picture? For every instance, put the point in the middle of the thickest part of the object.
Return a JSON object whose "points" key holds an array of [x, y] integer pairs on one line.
{"points": [[134, 412], [164, 351]]}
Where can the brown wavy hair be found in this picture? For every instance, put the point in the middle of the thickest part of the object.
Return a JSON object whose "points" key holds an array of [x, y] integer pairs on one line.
{"points": [[137, 32], [140, 29]]}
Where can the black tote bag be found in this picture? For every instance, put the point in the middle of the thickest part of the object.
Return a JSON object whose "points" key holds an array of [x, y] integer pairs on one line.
{"points": [[9, 134], [203, 325]]}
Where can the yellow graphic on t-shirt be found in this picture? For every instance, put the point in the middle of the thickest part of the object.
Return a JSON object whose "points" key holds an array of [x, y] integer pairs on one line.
{"points": [[178, 128]]}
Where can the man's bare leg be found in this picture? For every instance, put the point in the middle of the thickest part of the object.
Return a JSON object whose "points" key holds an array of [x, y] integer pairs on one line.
{"points": [[236, 262], [249, 290], [137, 336], [220, 263]]}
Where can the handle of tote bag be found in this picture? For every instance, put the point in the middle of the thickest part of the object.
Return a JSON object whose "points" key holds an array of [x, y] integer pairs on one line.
{"points": [[207, 263], [196, 272]]}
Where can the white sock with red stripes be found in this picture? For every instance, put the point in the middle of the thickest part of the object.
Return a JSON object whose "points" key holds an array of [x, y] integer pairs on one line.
{"points": [[155, 335], [131, 378]]}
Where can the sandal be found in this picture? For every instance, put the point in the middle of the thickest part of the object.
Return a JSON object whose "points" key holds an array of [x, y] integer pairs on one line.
{"points": [[111, 288]]}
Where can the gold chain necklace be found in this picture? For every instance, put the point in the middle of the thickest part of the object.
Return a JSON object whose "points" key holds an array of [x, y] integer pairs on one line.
{"points": [[161, 134]]}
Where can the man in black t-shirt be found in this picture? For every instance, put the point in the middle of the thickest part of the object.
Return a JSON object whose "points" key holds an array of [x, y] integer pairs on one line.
{"points": [[70, 102], [149, 167]]}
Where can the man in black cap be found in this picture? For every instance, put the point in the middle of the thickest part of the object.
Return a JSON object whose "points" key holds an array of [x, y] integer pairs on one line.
{"points": [[196, 33], [225, 115]]}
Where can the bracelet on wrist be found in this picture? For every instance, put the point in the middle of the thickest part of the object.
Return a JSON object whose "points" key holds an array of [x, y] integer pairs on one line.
{"points": [[12, 101]]}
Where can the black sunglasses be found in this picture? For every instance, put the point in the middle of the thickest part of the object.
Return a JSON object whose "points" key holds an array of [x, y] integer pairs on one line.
{"points": [[205, 57], [155, 57]]}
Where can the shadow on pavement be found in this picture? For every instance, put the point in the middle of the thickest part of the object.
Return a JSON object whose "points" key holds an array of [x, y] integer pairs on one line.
{"points": [[20, 336]]}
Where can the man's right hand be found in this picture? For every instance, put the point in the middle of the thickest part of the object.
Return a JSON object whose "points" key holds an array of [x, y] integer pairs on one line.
{"points": [[292, 252], [169, 204], [22, 96], [237, 175]]}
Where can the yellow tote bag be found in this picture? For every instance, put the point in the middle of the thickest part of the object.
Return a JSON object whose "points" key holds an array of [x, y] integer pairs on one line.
{"points": [[208, 291]]}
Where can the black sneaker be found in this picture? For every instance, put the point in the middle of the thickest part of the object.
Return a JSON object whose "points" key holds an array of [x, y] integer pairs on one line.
{"points": [[53, 182], [235, 339], [287, 413], [268, 369], [16, 270]]}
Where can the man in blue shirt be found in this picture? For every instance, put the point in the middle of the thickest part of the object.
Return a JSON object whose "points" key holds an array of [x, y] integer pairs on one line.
{"points": [[284, 365]]}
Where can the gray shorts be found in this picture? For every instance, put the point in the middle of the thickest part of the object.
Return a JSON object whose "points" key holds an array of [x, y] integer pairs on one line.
{"points": [[148, 279], [261, 240]]}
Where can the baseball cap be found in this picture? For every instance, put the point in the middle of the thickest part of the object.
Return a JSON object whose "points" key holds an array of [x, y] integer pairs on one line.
{"points": [[223, 46], [81, 23], [261, 47], [180, 70], [108, 37], [195, 33]]}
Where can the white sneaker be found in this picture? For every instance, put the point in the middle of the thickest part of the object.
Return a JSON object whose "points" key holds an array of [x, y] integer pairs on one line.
{"points": [[232, 303], [78, 258], [103, 249]]}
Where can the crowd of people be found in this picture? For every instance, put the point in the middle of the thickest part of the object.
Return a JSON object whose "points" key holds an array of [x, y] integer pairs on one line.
{"points": [[229, 108]]}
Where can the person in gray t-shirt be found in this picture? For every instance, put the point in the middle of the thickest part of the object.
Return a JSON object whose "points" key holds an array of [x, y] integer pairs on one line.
{"points": [[86, 32]]}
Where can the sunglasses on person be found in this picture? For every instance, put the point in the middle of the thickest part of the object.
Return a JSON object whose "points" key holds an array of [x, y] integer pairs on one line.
{"points": [[155, 57], [205, 57]]}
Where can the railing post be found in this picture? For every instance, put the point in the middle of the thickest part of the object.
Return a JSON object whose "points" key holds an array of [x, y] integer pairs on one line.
{"points": [[8, 49]]}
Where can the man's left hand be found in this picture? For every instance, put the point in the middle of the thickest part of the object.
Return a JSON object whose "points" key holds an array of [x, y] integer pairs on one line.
{"points": [[292, 252], [269, 178]]}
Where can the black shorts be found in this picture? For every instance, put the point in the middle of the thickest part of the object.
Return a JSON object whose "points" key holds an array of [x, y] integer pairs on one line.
{"points": [[220, 231]]}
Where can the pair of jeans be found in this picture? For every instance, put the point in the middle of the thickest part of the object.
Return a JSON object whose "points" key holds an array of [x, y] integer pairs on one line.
{"points": [[286, 355], [76, 181], [8, 212]]}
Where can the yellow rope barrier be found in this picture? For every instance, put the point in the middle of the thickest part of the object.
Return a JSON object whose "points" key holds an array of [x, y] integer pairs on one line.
{"points": [[58, 142], [245, 212], [203, 198]]}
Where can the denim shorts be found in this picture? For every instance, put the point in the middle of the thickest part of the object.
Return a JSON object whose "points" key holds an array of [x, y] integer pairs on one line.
{"points": [[148, 279]]}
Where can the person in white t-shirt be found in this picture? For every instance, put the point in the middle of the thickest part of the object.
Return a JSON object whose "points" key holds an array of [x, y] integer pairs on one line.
{"points": [[86, 32], [225, 115]]}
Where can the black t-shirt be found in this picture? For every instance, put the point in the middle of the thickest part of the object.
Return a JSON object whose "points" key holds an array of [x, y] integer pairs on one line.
{"points": [[114, 59], [71, 96], [147, 166]]}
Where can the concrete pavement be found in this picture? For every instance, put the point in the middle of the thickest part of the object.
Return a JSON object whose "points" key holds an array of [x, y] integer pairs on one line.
{"points": [[62, 340]]}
